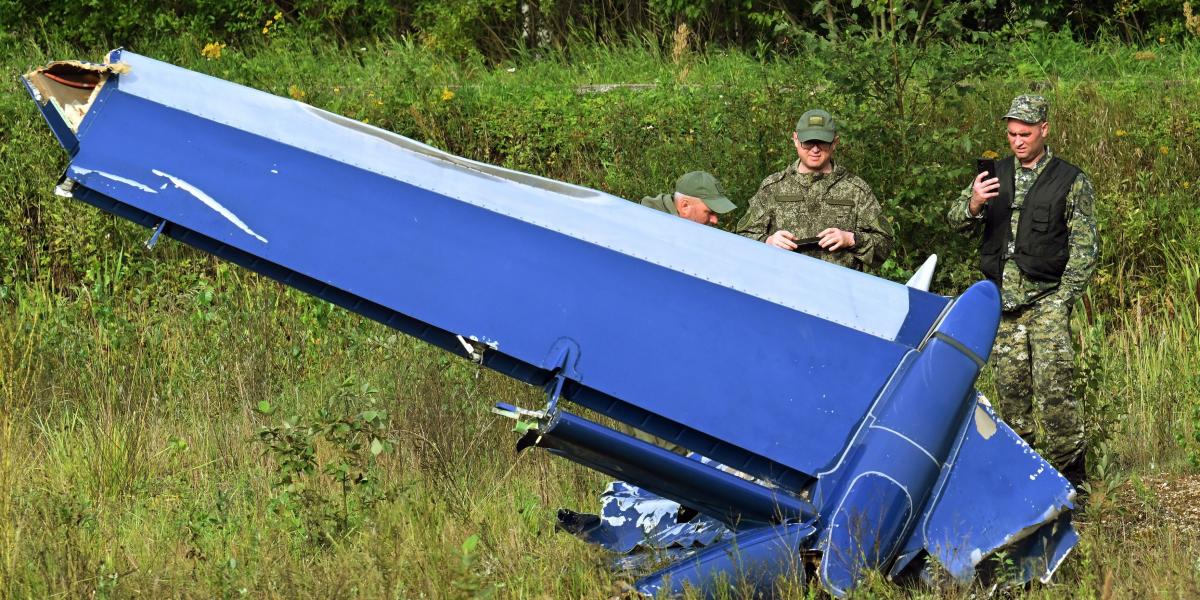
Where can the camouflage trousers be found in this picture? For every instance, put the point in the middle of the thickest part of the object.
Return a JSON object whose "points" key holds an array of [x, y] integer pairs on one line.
{"points": [[1034, 365]]}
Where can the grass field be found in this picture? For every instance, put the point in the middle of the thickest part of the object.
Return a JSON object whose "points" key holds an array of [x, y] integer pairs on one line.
{"points": [[171, 426]]}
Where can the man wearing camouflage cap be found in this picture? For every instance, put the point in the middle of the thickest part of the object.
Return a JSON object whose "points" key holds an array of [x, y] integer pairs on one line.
{"points": [[817, 207], [1040, 247], [698, 197]]}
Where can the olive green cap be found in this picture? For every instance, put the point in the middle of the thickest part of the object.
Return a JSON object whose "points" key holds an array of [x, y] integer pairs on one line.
{"points": [[1027, 109], [816, 124], [702, 185]]}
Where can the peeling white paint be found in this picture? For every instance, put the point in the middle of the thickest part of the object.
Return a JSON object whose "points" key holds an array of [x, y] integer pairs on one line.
{"points": [[614, 521], [1038, 472], [129, 182], [209, 202], [984, 424], [653, 511]]}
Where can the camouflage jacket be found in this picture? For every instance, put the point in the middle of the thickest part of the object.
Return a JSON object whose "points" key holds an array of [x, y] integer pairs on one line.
{"points": [[1016, 290], [807, 203], [663, 202]]}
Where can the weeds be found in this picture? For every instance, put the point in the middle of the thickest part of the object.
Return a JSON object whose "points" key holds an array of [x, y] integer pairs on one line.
{"points": [[174, 426], [309, 456]]}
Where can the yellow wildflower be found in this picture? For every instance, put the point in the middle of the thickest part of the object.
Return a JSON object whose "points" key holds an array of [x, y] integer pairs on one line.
{"points": [[212, 50], [1122, 133], [992, 154], [295, 92], [1187, 184], [1163, 150], [337, 89], [447, 94]]}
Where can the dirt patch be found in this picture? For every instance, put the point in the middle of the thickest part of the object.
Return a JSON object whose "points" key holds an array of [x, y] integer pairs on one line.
{"points": [[1144, 504]]}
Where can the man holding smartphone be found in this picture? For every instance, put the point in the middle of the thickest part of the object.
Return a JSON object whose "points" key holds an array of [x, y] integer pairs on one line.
{"points": [[1039, 245], [817, 207]]}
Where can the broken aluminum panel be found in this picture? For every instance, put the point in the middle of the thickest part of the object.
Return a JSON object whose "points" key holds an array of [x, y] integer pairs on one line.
{"points": [[846, 396], [632, 518]]}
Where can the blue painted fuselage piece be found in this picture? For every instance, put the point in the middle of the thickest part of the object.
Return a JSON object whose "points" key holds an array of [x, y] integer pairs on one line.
{"points": [[844, 400]]}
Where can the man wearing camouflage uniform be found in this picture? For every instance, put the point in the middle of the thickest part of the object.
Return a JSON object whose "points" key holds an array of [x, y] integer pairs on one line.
{"points": [[817, 207], [1040, 247], [698, 197]]}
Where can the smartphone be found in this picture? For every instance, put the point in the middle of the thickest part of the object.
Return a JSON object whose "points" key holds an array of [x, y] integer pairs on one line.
{"points": [[803, 244], [986, 164]]}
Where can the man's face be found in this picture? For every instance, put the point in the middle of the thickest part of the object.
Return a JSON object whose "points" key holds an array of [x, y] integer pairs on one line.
{"points": [[814, 154], [695, 210], [1027, 140]]}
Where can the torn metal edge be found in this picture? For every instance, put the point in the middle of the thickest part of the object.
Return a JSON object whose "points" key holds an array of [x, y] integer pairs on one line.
{"points": [[53, 89]]}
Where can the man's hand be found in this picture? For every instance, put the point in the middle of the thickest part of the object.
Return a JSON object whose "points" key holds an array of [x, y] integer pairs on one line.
{"points": [[782, 239], [834, 239], [982, 191]]}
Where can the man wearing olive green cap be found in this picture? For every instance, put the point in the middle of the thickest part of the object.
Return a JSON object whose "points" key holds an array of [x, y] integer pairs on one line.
{"points": [[817, 207], [698, 197], [1039, 245]]}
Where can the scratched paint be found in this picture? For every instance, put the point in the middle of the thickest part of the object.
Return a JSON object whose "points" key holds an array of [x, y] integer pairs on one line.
{"points": [[210, 202], [129, 182]]}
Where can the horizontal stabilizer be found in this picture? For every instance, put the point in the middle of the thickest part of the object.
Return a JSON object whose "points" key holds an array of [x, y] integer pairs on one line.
{"points": [[924, 276]]}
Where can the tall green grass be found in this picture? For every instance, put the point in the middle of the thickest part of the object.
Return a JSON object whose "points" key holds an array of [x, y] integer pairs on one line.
{"points": [[135, 386]]}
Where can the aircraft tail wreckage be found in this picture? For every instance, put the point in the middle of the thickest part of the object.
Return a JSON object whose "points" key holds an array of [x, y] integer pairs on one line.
{"points": [[834, 424]]}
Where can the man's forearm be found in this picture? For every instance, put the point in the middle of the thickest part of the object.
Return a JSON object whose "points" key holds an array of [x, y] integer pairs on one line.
{"points": [[959, 216]]}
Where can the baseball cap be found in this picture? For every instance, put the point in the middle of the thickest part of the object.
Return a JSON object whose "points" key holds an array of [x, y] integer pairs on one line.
{"points": [[1028, 109], [816, 124], [702, 185]]}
